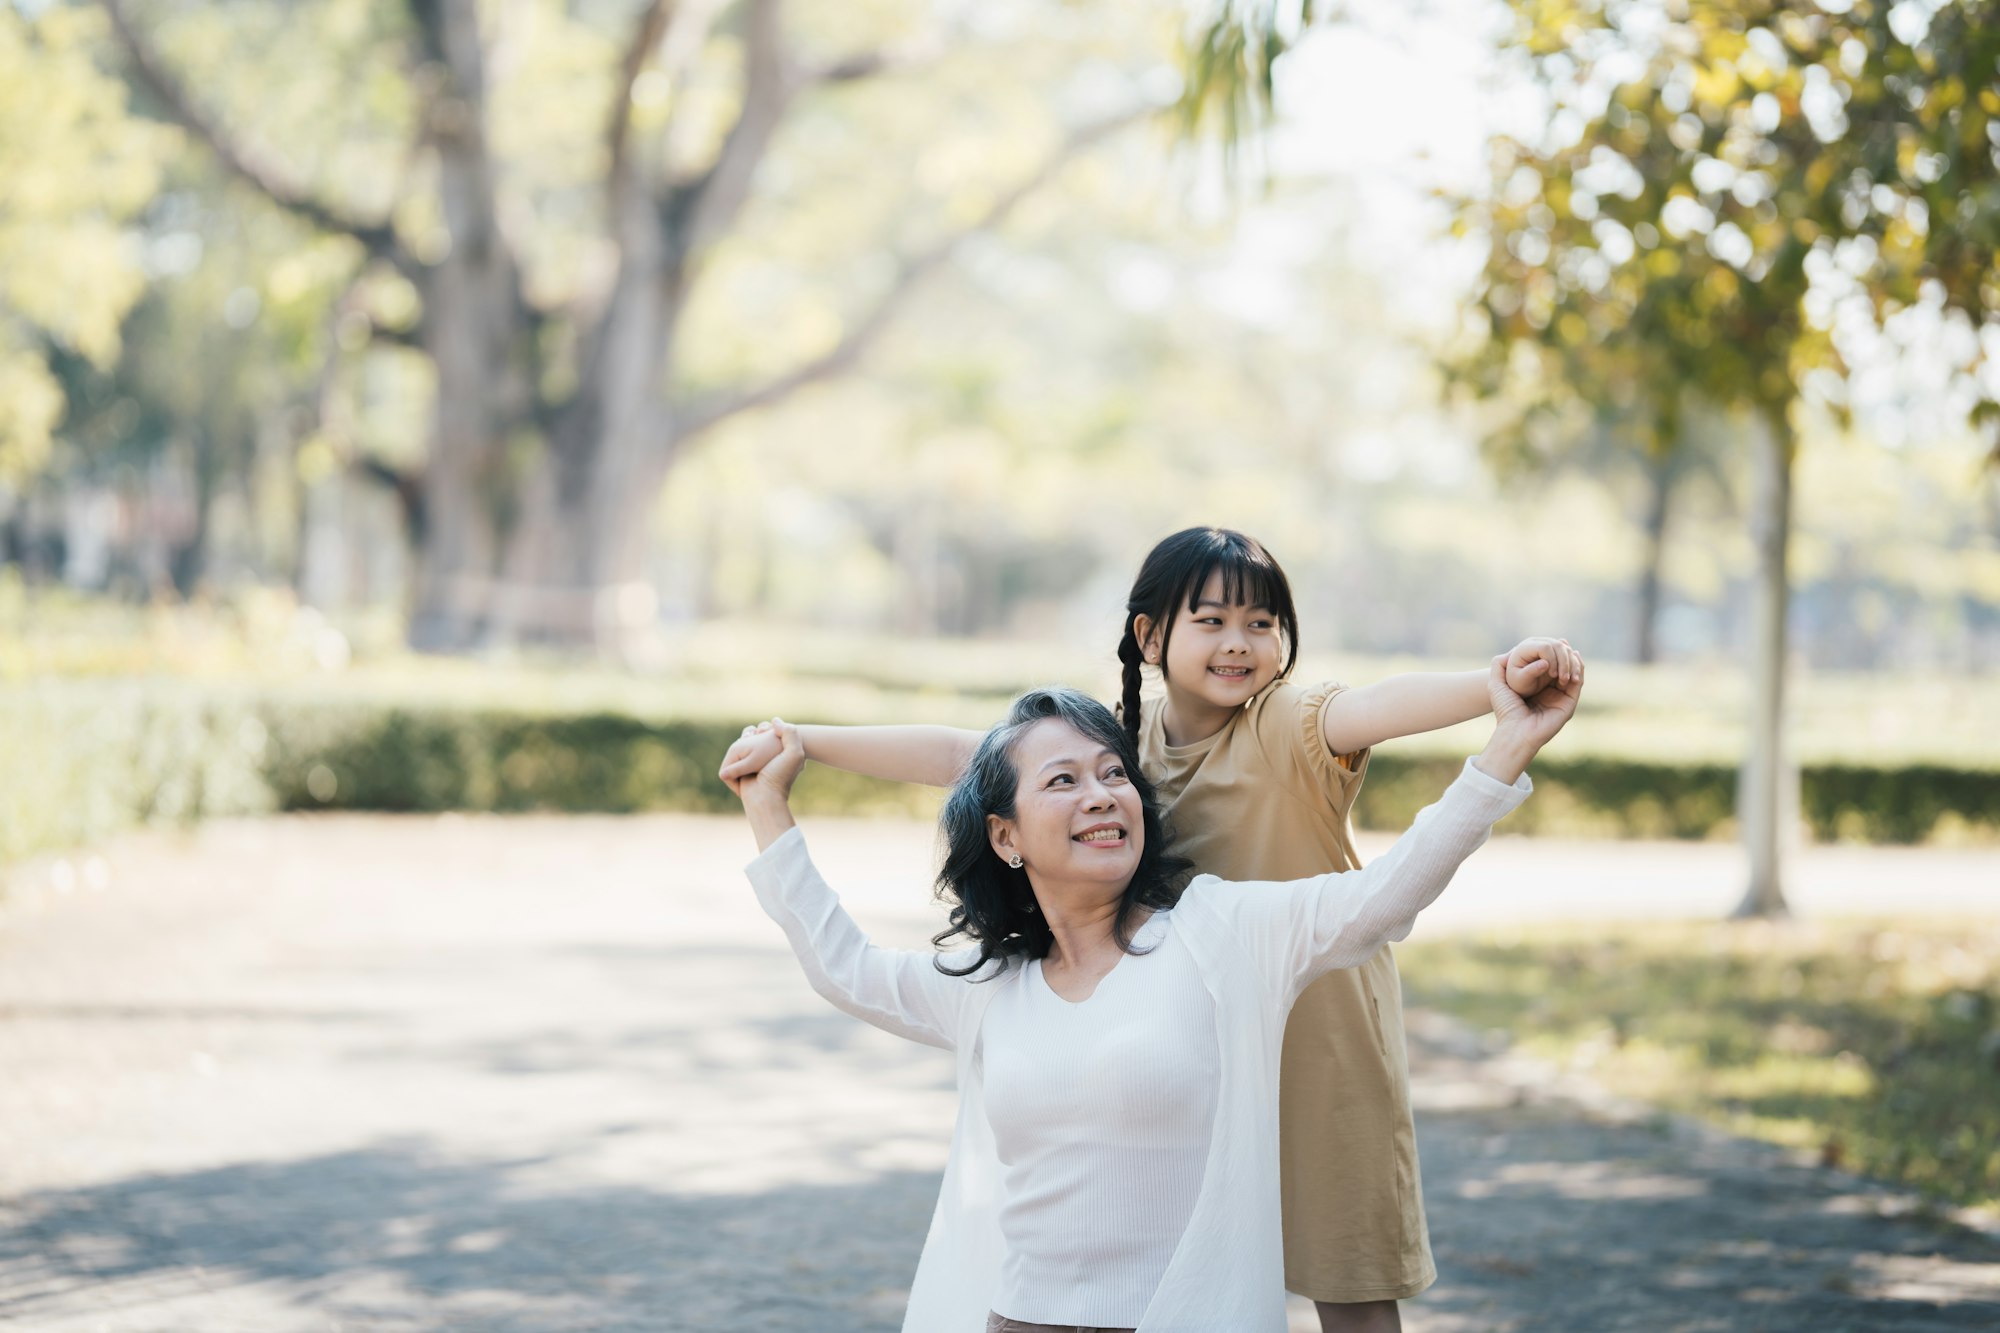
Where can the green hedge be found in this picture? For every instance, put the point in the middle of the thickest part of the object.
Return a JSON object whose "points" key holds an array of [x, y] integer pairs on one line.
{"points": [[82, 761]]}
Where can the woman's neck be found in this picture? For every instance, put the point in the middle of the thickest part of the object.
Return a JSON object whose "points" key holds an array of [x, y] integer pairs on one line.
{"points": [[1187, 720], [1082, 930]]}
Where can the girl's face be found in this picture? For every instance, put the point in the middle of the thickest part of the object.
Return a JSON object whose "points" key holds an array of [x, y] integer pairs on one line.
{"points": [[1218, 654], [1077, 816]]}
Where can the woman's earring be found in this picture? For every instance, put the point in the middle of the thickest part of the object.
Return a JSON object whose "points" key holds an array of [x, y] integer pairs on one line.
{"points": [[1016, 862]]}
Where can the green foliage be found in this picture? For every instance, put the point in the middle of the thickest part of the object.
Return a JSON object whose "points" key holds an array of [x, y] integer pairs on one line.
{"points": [[86, 762], [1632, 798], [1712, 181], [1871, 1044], [1710, 193], [89, 758], [77, 169]]}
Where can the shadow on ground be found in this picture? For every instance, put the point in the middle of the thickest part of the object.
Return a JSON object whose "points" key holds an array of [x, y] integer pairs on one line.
{"points": [[396, 1238], [1539, 1225]]}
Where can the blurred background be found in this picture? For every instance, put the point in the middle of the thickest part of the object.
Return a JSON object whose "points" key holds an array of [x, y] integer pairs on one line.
{"points": [[440, 406]]}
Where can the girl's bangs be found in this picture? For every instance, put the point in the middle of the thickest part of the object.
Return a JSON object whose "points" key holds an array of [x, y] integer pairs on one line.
{"points": [[1246, 581]]}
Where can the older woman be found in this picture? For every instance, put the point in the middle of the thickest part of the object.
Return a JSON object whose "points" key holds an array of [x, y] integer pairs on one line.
{"points": [[1115, 1160]]}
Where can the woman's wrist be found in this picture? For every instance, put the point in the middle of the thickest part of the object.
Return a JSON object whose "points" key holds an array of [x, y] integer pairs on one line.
{"points": [[769, 812], [1506, 756]]}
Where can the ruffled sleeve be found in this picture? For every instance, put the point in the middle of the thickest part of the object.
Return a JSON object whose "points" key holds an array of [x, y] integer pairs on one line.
{"points": [[1288, 732]]}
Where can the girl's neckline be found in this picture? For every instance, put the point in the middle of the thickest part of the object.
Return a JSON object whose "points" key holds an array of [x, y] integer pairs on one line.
{"points": [[1193, 747]]}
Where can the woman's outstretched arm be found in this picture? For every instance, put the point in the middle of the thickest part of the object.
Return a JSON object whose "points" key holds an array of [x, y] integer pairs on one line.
{"points": [[897, 990], [1419, 701], [1308, 927], [931, 756]]}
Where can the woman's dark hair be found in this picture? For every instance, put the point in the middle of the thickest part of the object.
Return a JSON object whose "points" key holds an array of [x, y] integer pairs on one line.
{"points": [[992, 903], [1173, 575]]}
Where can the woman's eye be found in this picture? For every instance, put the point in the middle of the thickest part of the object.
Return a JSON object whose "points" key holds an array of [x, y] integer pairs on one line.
{"points": [[1115, 772], [1060, 777]]}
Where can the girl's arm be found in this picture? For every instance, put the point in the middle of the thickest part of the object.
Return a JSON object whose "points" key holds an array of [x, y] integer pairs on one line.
{"points": [[1420, 701], [897, 990], [932, 756], [1308, 927]]}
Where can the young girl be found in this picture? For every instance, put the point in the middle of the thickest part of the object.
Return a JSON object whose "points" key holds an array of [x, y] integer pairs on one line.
{"points": [[1257, 776]]}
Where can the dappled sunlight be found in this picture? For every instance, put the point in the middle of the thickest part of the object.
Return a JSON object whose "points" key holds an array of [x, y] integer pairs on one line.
{"points": [[1869, 1043], [1891, 1277], [1580, 1180]]}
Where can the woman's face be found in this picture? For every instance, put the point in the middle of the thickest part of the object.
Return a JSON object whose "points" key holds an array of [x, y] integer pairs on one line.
{"points": [[1077, 816], [1221, 653]]}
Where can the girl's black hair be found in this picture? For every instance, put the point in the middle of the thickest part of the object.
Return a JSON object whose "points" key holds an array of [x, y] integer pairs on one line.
{"points": [[1173, 575], [992, 903]]}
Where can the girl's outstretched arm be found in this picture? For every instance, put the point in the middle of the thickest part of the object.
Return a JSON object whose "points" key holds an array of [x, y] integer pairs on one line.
{"points": [[1306, 928], [1420, 701], [931, 756]]}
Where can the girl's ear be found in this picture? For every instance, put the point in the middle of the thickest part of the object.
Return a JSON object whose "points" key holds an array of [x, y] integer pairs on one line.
{"points": [[1000, 836], [1147, 633]]}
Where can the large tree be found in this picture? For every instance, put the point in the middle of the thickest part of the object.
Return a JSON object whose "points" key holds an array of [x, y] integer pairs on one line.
{"points": [[1719, 186], [555, 318]]}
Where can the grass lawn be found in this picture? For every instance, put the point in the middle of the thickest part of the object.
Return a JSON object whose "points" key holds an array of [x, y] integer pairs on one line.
{"points": [[1873, 1043]]}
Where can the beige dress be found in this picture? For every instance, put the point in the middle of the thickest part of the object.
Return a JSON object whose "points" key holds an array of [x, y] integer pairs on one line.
{"points": [[1263, 799]]}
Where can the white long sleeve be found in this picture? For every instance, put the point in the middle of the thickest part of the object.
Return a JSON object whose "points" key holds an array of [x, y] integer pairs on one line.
{"points": [[897, 990], [1300, 929]]}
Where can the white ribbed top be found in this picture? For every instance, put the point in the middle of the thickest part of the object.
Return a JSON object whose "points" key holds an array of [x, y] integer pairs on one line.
{"points": [[1102, 1111]]}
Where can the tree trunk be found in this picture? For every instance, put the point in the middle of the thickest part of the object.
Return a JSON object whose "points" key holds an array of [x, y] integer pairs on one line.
{"points": [[1660, 478], [474, 331], [1767, 802], [575, 571], [575, 567], [187, 559]]}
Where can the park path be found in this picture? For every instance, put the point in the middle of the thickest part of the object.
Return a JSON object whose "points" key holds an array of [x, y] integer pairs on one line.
{"points": [[545, 1074]]}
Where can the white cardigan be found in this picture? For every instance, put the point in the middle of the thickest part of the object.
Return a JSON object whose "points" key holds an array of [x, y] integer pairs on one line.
{"points": [[1257, 946]]}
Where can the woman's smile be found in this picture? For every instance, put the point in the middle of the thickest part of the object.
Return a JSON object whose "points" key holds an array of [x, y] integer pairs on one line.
{"points": [[1101, 835]]}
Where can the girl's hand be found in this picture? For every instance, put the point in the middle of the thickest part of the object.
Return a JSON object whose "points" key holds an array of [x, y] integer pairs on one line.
{"points": [[1535, 664], [758, 746], [1532, 722], [772, 781]]}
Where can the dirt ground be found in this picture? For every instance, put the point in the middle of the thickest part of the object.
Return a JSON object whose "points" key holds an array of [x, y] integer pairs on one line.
{"points": [[560, 1074]]}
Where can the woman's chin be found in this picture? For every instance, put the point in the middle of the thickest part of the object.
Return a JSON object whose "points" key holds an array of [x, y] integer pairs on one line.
{"points": [[1108, 866]]}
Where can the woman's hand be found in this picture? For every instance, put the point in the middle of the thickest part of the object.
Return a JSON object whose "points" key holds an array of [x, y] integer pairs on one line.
{"points": [[1521, 727], [773, 778], [758, 746], [1535, 664], [766, 793]]}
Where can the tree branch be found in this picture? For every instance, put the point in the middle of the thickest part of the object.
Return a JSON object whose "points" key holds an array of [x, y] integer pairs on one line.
{"points": [[694, 210], [645, 40], [244, 160], [702, 414], [895, 59]]}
